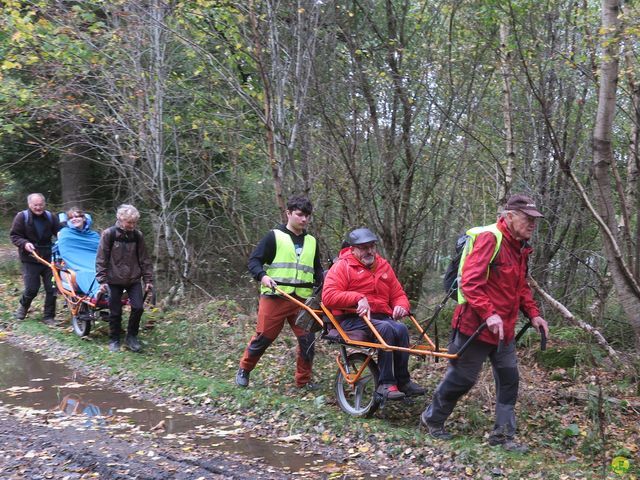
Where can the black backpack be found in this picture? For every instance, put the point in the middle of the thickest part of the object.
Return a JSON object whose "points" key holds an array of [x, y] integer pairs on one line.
{"points": [[450, 280]]}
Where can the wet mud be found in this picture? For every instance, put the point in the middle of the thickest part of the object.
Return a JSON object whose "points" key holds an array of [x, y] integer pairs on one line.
{"points": [[66, 417]]}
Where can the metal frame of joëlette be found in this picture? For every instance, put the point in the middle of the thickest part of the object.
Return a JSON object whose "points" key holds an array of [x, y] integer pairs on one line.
{"points": [[73, 299], [428, 349]]}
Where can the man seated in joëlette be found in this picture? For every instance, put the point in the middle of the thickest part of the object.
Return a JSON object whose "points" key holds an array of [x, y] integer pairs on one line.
{"points": [[363, 280]]}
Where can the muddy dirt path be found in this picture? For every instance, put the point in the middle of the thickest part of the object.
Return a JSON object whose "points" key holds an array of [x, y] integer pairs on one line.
{"points": [[35, 446], [58, 423]]}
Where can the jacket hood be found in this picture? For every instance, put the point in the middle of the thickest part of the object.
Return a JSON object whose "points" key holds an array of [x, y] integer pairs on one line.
{"points": [[88, 221]]}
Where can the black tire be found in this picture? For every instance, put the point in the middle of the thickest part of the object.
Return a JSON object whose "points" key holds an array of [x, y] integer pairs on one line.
{"points": [[82, 321], [359, 400]]}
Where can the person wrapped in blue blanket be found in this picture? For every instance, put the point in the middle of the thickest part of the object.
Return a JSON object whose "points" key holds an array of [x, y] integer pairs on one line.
{"points": [[77, 246]]}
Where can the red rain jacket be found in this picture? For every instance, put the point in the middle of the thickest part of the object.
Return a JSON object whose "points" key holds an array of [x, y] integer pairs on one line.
{"points": [[505, 291], [348, 281]]}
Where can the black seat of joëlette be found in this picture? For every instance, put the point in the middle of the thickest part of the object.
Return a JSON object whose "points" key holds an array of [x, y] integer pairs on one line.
{"points": [[357, 335]]}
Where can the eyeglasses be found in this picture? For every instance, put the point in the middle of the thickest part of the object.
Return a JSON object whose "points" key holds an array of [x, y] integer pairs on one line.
{"points": [[525, 217], [76, 216], [366, 246]]}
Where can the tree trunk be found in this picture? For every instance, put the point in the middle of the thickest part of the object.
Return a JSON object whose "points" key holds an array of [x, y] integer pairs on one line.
{"points": [[75, 177], [506, 70], [633, 161], [626, 287]]}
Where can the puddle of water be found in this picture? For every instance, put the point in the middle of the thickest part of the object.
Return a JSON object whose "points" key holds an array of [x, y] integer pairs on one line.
{"points": [[27, 379]]}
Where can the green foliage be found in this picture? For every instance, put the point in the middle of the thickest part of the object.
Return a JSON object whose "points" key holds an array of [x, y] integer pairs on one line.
{"points": [[616, 330], [571, 430], [557, 357]]}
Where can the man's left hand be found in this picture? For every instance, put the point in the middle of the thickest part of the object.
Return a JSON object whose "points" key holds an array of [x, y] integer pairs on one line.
{"points": [[399, 312], [363, 307], [538, 323]]}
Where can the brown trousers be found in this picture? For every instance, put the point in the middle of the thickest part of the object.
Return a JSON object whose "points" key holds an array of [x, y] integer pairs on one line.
{"points": [[273, 312]]}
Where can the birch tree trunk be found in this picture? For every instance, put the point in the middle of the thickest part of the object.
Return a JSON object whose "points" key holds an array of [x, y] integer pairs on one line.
{"points": [[633, 161], [625, 284], [284, 60], [506, 70]]}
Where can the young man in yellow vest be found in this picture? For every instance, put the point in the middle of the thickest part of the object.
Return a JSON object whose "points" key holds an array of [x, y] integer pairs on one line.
{"points": [[286, 257]]}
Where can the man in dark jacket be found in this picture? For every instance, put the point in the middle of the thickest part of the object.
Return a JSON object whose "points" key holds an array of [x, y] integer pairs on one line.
{"points": [[121, 263], [494, 292], [31, 231], [363, 281], [286, 257]]}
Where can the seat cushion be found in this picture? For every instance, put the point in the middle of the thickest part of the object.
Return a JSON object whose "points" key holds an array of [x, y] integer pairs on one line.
{"points": [[356, 335]]}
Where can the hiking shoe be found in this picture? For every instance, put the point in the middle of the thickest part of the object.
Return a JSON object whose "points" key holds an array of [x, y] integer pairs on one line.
{"points": [[389, 392], [412, 389], [114, 346], [242, 378], [133, 343], [434, 431], [50, 321], [21, 312]]}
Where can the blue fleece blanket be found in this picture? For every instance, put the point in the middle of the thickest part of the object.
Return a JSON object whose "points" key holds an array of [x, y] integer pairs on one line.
{"points": [[78, 249]]}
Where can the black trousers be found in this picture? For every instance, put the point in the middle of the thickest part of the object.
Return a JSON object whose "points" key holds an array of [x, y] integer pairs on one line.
{"points": [[462, 374], [32, 274], [136, 299]]}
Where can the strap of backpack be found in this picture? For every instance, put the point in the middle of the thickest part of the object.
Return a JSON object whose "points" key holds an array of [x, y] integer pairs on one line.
{"points": [[25, 215], [111, 236]]}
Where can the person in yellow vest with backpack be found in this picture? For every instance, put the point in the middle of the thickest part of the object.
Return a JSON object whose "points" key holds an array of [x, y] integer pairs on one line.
{"points": [[492, 289], [286, 257]]}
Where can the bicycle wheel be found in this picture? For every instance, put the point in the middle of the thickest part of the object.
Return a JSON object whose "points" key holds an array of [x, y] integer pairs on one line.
{"points": [[81, 322], [359, 399]]}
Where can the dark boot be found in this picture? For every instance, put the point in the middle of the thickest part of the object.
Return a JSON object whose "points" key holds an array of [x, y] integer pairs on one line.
{"points": [[132, 343], [411, 389], [504, 437], [435, 431], [21, 312], [242, 378]]}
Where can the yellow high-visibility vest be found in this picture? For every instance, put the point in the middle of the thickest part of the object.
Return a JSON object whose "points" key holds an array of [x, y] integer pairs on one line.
{"points": [[292, 272], [472, 233]]}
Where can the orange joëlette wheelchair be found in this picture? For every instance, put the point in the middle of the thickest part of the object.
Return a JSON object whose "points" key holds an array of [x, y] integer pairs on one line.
{"points": [[357, 376]]}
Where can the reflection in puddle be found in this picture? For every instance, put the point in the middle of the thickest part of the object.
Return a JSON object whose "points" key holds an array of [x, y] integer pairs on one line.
{"points": [[72, 404], [29, 380]]}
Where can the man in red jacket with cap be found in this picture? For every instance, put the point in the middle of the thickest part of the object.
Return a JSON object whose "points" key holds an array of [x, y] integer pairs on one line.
{"points": [[363, 280], [495, 291]]}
